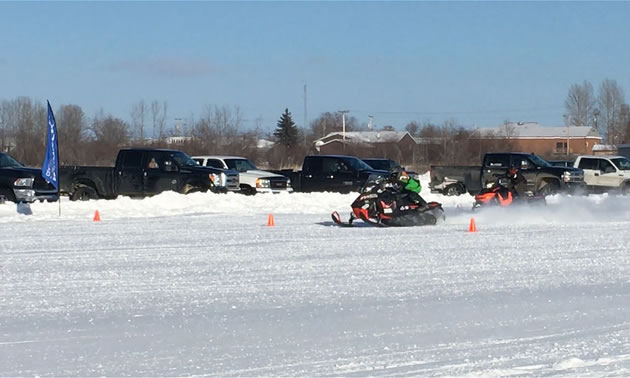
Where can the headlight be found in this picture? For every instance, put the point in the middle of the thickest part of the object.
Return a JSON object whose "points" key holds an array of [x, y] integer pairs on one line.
{"points": [[489, 185], [23, 182], [262, 183], [566, 176], [288, 183], [215, 178], [223, 179]]}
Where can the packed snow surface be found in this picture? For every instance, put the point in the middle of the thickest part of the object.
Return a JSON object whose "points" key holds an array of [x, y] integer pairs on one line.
{"points": [[198, 285]]}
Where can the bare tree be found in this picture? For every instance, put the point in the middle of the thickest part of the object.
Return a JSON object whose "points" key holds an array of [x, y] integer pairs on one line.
{"points": [[71, 127], [610, 99], [413, 128], [24, 124], [330, 122], [580, 104], [218, 129], [158, 115], [138, 111]]}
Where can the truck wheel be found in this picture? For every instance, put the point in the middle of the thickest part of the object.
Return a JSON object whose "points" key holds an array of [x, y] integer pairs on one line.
{"points": [[83, 193], [549, 189], [248, 190], [7, 195], [625, 190], [453, 190], [188, 188]]}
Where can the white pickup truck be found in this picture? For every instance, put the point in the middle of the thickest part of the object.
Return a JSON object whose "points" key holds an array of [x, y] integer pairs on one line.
{"points": [[252, 180], [605, 173]]}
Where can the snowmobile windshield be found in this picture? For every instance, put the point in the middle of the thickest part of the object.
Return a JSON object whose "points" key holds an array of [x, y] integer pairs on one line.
{"points": [[622, 163], [7, 161], [241, 165], [372, 181], [539, 162]]}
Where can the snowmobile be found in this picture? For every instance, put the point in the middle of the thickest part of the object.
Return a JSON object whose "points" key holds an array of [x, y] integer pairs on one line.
{"points": [[499, 194], [381, 204]]}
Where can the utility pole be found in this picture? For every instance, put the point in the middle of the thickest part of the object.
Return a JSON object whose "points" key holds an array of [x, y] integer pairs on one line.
{"points": [[568, 119], [305, 115], [343, 125]]}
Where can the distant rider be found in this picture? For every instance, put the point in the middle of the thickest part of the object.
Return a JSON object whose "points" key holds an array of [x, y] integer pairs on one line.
{"points": [[407, 185], [517, 183]]}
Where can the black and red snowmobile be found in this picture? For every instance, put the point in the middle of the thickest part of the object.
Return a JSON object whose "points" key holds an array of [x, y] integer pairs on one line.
{"points": [[499, 194], [381, 204]]}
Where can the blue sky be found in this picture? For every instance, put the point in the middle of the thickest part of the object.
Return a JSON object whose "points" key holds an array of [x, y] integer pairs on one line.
{"points": [[477, 62]]}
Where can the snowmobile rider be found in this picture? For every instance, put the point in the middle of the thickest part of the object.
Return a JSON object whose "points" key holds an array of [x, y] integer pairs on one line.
{"points": [[517, 183], [407, 185]]}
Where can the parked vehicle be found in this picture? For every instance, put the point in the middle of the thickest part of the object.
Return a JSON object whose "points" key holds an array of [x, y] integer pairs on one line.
{"points": [[330, 173], [455, 180], [605, 173], [383, 164], [21, 184], [142, 172], [251, 179], [542, 177]]}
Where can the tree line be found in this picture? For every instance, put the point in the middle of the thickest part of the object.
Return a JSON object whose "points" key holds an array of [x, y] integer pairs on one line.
{"points": [[220, 130]]}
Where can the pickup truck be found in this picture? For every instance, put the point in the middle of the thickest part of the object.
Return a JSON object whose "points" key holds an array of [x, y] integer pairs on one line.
{"points": [[21, 184], [252, 180], [330, 173], [542, 177], [143, 172], [605, 173]]}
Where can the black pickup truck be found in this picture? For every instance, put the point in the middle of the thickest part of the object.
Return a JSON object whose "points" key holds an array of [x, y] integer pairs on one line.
{"points": [[542, 177], [330, 173], [142, 172], [21, 184]]}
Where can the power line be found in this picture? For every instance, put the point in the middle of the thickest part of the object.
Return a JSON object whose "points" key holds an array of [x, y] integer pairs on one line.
{"points": [[493, 111]]}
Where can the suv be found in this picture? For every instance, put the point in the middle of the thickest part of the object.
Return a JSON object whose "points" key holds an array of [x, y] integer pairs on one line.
{"points": [[252, 180]]}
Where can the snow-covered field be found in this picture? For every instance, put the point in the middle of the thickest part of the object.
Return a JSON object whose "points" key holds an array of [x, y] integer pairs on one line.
{"points": [[198, 285]]}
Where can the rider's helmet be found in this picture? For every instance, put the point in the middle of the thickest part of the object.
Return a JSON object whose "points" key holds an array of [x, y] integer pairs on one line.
{"points": [[512, 171], [397, 174]]}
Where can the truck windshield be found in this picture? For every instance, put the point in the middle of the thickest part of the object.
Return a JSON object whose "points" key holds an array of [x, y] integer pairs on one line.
{"points": [[383, 165], [622, 163], [241, 165], [358, 165], [7, 161], [539, 162], [183, 160]]}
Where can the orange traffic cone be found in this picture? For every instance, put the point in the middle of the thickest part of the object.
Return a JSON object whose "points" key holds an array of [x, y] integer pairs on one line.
{"points": [[97, 216], [270, 221], [473, 226]]}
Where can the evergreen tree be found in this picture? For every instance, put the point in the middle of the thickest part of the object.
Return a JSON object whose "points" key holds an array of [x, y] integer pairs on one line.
{"points": [[286, 132]]}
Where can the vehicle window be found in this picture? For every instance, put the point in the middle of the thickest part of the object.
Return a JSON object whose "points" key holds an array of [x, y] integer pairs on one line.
{"points": [[152, 162], [497, 161], [383, 165], [132, 159], [538, 161], [198, 161], [587, 163], [606, 166], [241, 165], [356, 164], [313, 164], [334, 165], [182, 159], [215, 163], [622, 163], [7, 161], [520, 162]]}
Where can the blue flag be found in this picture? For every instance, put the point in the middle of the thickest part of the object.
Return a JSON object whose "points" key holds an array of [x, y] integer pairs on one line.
{"points": [[50, 169]]}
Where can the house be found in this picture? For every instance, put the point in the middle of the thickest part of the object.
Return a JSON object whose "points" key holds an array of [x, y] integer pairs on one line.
{"points": [[548, 141], [384, 143]]}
